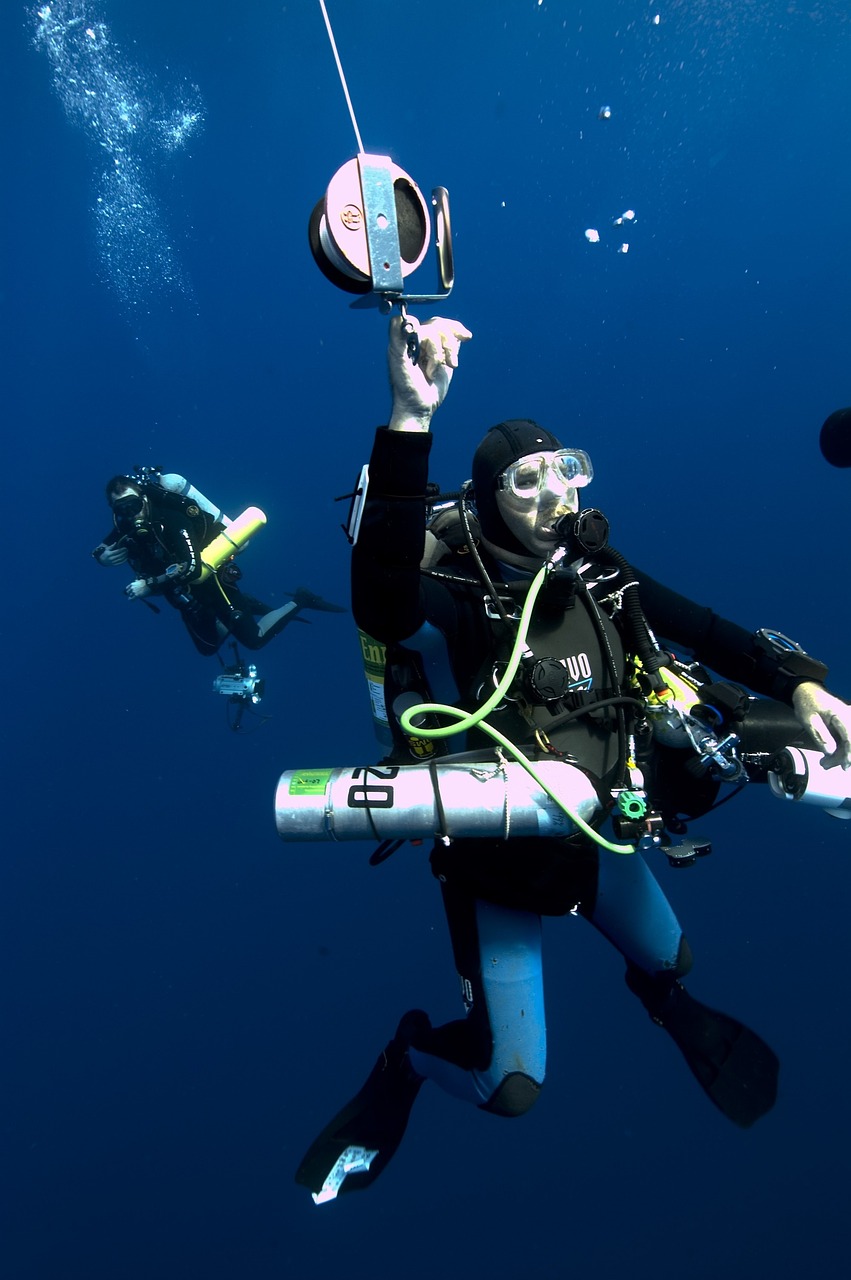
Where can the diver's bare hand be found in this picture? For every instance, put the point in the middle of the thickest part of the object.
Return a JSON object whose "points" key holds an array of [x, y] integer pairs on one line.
{"points": [[137, 589], [419, 389], [828, 719]]}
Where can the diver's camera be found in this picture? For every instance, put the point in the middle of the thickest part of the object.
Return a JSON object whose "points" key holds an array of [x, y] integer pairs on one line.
{"points": [[372, 229], [240, 683]]}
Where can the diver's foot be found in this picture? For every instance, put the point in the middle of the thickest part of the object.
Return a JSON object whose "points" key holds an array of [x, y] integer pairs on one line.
{"points": [[308, 600], [353, 1149], [735, 1068]]}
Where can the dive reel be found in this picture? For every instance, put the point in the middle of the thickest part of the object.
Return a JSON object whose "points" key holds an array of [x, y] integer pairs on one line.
{"points": [[372, 227]]}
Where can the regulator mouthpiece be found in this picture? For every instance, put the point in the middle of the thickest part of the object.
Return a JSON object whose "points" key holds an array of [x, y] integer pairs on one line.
{"points": [[586, 532]]}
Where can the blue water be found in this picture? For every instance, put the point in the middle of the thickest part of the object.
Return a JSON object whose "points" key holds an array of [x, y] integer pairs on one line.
{"points": [[185, 1000]]}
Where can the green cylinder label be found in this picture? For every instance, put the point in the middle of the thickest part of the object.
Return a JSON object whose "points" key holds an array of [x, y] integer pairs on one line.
{"points": [[310, 782]]}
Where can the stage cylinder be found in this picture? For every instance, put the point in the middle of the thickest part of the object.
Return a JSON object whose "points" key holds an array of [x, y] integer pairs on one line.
{"points": [[448, 797]]}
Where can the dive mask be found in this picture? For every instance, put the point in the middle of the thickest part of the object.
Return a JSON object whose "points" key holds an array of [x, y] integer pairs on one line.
{"points": [[531, 474], [128, 507]]}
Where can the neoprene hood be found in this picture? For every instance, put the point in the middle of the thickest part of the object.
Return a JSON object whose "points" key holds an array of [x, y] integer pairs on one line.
{"points": [[504, 444]]}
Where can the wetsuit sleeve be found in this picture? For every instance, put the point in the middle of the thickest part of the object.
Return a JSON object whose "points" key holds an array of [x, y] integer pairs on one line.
{"points": [[183, 550], [387, 598], [726, 647], [188, 555], [186, 537]]}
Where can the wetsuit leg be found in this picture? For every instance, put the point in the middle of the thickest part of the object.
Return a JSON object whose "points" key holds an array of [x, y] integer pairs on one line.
{"points": [[205, 632], [736, 1069], [496, 1057], [631, 911], [236, 611], [255, 606]]}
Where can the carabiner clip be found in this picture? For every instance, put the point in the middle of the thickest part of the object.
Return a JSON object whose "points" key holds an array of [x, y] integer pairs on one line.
{"points": [[412, 338]]}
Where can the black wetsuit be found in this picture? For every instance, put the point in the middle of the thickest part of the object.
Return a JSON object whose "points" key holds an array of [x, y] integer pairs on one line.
{"points": [[443, 646], [174, 534]]}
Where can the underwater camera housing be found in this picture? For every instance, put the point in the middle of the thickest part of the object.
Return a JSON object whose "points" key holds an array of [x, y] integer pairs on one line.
{"points": [[372, 229], [240, 683]]}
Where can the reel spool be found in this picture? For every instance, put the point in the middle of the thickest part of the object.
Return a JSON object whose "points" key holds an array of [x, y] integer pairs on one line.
{"points": [[372, 229]]}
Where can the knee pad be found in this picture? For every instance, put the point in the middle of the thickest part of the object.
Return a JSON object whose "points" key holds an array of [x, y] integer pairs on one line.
{"points": [[636, 977], [684, 960], [517, 1094], [653, 989]]}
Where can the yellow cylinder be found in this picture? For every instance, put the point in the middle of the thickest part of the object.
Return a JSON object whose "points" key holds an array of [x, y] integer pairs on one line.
{"points": [[231, 541]]}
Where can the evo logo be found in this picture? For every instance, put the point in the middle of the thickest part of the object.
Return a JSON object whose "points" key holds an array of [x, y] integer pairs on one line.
{"points": [[579, 669]]}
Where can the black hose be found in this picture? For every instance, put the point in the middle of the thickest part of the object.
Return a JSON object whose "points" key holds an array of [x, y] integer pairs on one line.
{"points": [[479, 563], [639, 634]]}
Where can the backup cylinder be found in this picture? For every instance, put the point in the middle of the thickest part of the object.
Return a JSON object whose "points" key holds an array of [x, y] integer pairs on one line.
{"points": [[449, 797], [231, 541], [796, 774]]}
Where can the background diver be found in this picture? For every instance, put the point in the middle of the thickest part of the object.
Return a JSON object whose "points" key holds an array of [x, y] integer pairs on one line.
{"points": [[161, 526], [449, 630]]}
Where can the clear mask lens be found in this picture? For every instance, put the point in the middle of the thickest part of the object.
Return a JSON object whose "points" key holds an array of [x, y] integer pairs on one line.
{"points": [[566, 469]]}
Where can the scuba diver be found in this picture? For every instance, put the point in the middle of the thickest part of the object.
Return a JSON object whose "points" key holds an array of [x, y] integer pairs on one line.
{"points": [[166, 530], [533, 571]]}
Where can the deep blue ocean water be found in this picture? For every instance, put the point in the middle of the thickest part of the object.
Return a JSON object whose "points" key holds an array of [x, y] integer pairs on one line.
{"points": [[185, 1000]]}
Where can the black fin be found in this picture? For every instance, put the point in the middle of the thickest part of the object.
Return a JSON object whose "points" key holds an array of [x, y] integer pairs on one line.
{"points": [[735, 1068], [354, 1147], [308, 600]]}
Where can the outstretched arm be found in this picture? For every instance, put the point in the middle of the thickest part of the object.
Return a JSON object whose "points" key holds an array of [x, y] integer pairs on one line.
{"points": [[786, 674], [386, 597]]}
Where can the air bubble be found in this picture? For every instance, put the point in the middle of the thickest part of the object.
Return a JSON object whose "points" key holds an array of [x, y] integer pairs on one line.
{"points": [[129, 120]]}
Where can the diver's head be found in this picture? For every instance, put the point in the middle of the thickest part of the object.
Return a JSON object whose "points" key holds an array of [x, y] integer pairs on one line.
{"points": [[524, 482], [130, 506]]}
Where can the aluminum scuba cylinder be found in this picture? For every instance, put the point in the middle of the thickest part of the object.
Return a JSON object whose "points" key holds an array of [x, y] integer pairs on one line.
{"points": [[797, 774], [451, 797]]}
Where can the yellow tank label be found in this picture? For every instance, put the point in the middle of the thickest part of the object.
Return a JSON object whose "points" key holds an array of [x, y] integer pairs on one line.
{"points": [[310, 782]]}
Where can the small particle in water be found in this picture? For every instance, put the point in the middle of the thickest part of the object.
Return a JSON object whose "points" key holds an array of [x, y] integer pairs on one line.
{"points": [[605, 113], [624, 248], [627, 216], [592, 236]]}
